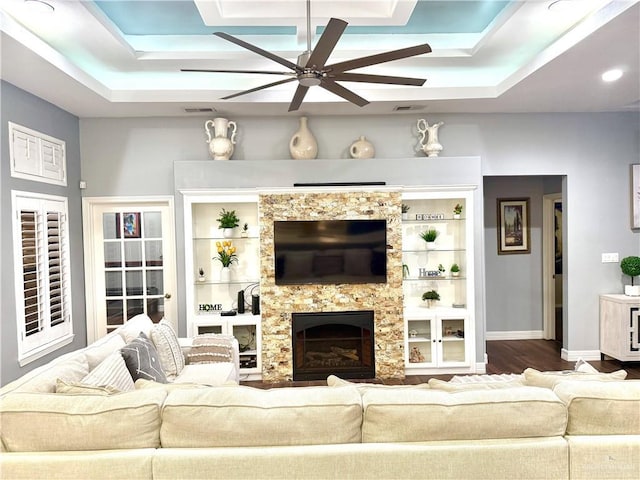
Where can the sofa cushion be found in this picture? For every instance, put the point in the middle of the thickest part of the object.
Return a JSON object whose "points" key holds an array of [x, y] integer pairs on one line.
{"points": [[34, 422], [245, 416], [601, 408], [112, 372], [211, 348], [134, 326], [142, 359], [535, 378], [166, 342], [335, 381], [465, 387], [74, 369], [98, 351], [68, 388], [415, 415]]}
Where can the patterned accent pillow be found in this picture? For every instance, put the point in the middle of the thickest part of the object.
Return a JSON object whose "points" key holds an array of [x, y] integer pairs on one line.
{"points": [[211, 348], [142, 360], [166, 342], [111, 372]]}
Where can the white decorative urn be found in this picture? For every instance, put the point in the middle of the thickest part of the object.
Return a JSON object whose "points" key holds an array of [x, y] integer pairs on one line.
{"points": [[303, 145], [220, 144], [429, 134], [362, 148]]}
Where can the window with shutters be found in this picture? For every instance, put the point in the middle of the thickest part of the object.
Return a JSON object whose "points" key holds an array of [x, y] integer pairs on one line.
{"points": [[42, 273], [36, 156]]}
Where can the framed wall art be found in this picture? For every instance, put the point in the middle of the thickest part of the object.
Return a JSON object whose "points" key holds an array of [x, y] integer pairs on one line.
{"points": [[131, 224], [635, 195], [513, 226]]}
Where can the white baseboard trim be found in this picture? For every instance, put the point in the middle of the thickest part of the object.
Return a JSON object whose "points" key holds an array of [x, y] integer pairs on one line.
{"points": [[516, 335], [574, 355], [481, 368]]}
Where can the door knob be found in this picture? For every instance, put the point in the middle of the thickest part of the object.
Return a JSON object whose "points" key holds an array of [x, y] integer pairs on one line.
{"points": [[167, 296]]}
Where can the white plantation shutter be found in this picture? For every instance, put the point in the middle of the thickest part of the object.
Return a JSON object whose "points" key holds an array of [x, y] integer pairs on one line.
{"points": [[42, 273]]}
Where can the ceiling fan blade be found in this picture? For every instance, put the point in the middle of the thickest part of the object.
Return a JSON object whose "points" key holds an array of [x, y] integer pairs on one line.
{"points": [[244, 92], [301, 91], [259, 51], [379, 58], [328, 40], [260, 72], [345, 93], [361, 77]]}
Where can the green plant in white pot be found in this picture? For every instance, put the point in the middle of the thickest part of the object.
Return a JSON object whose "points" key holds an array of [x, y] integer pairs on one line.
{"points": [[430, 236], [630, 266], [431, 297]]}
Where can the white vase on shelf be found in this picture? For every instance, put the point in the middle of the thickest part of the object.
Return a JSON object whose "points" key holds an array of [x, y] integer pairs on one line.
{"points": [[362, 148], [303, 145], [221, 146], [227, 232], [429, 137], [225, 275]]}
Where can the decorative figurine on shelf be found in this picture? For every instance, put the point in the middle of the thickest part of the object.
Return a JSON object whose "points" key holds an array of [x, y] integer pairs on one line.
{"points": [[303, 145], [432, 148], [220, 146], [415, 356]]}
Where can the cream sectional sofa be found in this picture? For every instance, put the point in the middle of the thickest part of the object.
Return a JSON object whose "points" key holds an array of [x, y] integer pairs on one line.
{"points": [[539, 427]]}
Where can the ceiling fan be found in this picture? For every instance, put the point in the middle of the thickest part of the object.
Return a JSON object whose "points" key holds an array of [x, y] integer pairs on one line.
{"points": [[311, 70]]}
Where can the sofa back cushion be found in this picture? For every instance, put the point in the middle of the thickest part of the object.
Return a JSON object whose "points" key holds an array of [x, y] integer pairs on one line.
{"points": [[426, 415], [601, 408], [245, 416], [39, 422], [73, 369]]}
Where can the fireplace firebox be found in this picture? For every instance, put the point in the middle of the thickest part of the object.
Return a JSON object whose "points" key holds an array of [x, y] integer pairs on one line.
{"points": [[338, 343]]}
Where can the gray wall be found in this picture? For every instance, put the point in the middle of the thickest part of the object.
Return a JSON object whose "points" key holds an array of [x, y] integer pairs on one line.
{"points": [[594, 151], [25, 109]]}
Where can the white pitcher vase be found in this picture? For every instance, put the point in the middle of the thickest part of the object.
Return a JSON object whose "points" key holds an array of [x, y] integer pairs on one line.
{"points": [[220, 145], [303, 145], [429, 133]]}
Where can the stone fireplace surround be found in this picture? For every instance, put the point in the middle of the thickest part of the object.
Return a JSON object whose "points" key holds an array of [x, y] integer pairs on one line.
{"points": [[278, 302]]}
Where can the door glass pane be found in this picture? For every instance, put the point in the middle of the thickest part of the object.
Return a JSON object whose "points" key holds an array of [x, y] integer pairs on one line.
{"points": [[154, 282], [152, 225], [112, 255], [114, 312], [453, 340], [155, 308], [134, 307], [133, 254], [153, 253], [109, 230], [113, 284], [134, 282]]}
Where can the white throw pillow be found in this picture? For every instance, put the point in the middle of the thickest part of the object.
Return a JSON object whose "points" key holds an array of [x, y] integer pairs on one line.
{"points": [[166, 342], [112, 372], [131, 330]]}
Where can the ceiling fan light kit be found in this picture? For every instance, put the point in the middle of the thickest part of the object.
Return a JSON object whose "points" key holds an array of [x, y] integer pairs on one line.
{"points": [[311, 69]]}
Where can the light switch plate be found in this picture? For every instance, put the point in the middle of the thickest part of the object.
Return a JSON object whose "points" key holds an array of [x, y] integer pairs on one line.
{"points": [[610, 258]]}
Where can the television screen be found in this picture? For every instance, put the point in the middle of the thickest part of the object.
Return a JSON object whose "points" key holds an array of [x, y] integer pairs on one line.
{"points": [[330, 251]]}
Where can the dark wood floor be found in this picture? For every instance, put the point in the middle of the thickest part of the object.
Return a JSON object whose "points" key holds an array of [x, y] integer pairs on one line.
{"points": [[505, 356]]}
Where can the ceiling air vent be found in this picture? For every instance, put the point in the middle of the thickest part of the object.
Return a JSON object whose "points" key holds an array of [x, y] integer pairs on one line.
{"points": [[199, 110], [407, 108]]}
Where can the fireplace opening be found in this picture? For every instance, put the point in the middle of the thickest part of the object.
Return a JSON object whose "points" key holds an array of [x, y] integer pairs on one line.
{"points": [[338, 343]]}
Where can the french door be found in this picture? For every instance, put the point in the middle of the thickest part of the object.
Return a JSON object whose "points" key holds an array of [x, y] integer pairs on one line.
{"points": [[130, 265]]}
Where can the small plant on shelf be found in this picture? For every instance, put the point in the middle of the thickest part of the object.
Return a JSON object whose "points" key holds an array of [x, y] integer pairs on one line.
{"points": [[457, 210], [226, 253], [455, 270], [245, 230], [228, 219], [405, 211], [441, 269], [201, 274], [431, 295], [430, 235], [630, 266]]}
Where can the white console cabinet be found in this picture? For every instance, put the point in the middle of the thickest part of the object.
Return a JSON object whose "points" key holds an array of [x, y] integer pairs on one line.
{"points": [[620, 327]]}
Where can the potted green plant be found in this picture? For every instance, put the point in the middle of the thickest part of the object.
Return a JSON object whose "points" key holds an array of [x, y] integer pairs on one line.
{"points": [[455, 270], [245, 230], [405, 211], [430, 236], [201, 274], [631, 266], [457, 211], [228, 220], [430, 297], [441, 269], [405, 270]]}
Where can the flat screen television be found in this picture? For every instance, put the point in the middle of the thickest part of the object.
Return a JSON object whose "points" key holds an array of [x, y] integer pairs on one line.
{"points": [[330, 251]]}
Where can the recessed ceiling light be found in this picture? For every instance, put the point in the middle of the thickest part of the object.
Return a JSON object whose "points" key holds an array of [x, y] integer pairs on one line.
{"points": [[611, 75], [39, 6]]}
